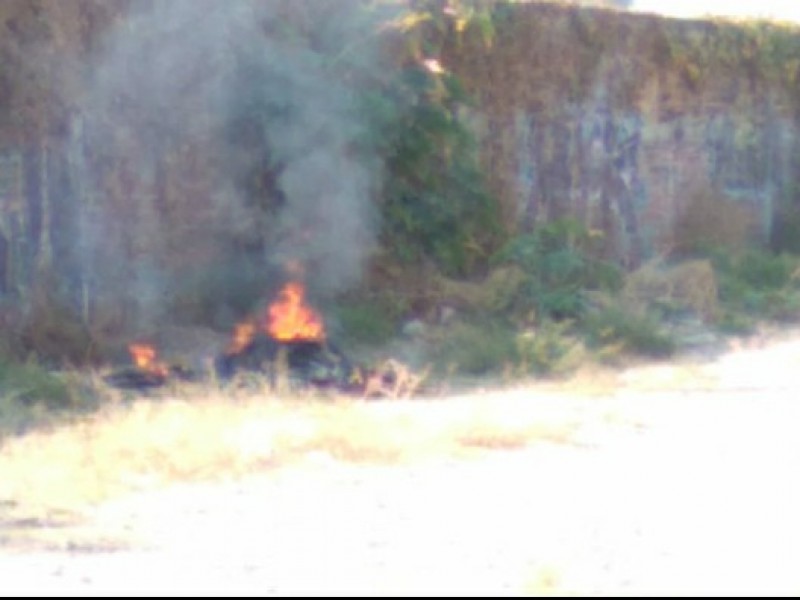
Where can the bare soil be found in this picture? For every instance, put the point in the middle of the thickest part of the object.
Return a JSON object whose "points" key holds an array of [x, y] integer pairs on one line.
{"points": [[678, 478]]}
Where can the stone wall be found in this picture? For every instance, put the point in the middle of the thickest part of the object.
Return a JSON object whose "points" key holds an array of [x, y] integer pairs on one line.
{"points": [[623, 119]]}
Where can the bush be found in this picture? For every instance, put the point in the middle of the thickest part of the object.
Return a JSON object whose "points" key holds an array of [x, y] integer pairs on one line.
{"points": [[557, 258], [364, 322], [736, 323], [673, 289], [785, 234], [760, 283], [551, 349], [478, 348], [763, 270], [30, 395], [435, 204], [616, 329]]}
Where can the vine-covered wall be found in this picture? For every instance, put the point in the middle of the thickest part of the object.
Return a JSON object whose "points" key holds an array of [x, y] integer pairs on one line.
{"points": [[623, 120]]}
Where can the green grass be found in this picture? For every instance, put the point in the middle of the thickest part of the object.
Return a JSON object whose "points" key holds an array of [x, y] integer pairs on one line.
{"points": [[760, 284], [30, 395]]}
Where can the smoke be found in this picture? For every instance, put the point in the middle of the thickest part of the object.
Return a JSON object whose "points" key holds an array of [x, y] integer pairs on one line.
{"points": [[206, 129]]}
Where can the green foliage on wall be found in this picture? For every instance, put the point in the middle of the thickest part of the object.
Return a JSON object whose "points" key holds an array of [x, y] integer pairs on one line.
{"points": [[434, 202], [755, 49]]}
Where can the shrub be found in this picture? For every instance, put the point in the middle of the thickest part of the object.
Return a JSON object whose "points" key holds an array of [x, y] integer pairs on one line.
{"points": [[364, 322], [481, 348], [30, 395], [785, 234], [617, 329], [759, 283], [550, 349], [557, 258], [736, 323], [435, 204], [478, 348], [687, 286], [763, 270]]}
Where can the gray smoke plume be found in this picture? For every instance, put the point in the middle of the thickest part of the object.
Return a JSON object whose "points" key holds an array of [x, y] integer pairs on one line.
{"points": [[207, 127]]}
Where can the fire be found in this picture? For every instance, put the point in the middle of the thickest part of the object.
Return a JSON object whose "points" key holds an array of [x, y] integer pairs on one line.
{"points": [[144, 357], [243, 334], [290, 319], [287, 319]]}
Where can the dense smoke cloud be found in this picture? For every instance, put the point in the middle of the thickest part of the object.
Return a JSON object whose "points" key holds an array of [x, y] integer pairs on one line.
{"points": [[265, 96]]}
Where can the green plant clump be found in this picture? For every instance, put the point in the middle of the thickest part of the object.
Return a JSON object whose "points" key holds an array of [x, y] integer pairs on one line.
{"points": [[760, 283], [478, 348], [29, 383], [364, 322], [553, 348], [434, 203], [560, 267], [495, 346], [615, 330], [785, 234], [31, 395]]}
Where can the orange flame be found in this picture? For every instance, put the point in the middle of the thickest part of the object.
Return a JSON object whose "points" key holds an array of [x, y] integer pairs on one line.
{"points": [[290, 319], [243, 334], [144, 357]]}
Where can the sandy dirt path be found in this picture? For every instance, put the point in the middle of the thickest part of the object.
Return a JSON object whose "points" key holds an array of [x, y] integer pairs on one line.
{"points": [[681, 481]]}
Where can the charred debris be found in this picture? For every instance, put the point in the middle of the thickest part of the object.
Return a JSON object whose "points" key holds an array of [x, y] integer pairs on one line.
{"points": [[306, 363], [287, 346], [284, 365]]}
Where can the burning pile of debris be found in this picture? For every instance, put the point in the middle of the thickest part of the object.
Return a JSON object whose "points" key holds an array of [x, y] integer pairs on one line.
{"points": [[288, 345]]}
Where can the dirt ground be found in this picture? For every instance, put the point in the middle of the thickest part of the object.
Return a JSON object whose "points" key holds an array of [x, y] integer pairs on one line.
{"points": [[677, 478]]}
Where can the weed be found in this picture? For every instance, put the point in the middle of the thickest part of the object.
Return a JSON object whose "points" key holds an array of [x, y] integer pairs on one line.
{"points": [[615, 329], [491, 346], [785, 234], [478, 348], [31, 395], [364, 322], [735, 323], [759, 283], [557, 258], [551, 349]]}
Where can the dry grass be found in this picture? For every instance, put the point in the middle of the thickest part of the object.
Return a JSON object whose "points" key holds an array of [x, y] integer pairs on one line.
{"points": [[203, 434], [197, 435]]}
